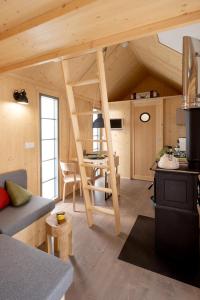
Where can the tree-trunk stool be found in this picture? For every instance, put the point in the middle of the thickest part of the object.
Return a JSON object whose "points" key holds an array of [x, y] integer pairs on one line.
{"points": [[60, 236]]}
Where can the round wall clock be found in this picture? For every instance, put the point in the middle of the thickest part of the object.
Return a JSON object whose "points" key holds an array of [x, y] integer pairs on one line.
{"points": [[145, 117]]}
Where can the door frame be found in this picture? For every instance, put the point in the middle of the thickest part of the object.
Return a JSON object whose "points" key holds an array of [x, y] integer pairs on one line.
{"points": [[158, 102]]}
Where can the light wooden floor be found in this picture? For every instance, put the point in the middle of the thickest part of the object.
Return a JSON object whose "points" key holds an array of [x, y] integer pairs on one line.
{"points": [[99, 274]]}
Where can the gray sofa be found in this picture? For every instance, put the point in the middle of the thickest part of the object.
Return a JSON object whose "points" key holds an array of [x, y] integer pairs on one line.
{"points": [[13, 219], [27, 272]]}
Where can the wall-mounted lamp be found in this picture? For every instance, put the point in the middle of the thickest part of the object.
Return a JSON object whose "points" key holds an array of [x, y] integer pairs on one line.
{"points": [[99, 122], [20, 96]]}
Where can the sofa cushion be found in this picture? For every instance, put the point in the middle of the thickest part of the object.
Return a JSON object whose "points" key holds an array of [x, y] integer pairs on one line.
{"points": [[28, 273], [18, 195], [4, 198], [19, 177], [14, 219]]}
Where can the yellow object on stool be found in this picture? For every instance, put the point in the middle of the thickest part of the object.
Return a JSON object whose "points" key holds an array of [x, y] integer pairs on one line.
{"points": [[61, 234], [60, 217]]}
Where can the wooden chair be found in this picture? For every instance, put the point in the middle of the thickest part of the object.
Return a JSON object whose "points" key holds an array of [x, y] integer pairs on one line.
{"points": [[70, 176]]}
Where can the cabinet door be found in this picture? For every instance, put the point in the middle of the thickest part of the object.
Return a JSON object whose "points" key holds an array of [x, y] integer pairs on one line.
{"points": [[147, 139]]}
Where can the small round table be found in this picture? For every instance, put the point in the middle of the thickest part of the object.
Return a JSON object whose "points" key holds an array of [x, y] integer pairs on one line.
{"points": [[59, 236]]}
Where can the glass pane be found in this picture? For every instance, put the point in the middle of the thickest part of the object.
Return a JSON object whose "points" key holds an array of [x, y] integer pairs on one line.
{"points": [[48, 129], [48, 170], [95, 131], [95, 145], [95, 116], [48, 189], [49, 146], [47, 107], [48, 151]]}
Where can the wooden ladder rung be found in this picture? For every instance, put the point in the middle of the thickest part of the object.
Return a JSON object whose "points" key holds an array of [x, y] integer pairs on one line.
{"points": [[91, 140], [98, 189], [84, 82], [104, 210], [99, 166], [86, 113]]}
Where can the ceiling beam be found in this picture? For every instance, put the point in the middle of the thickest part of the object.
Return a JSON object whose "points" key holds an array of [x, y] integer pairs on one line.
{"points": [[135, 33], [57, 12]]}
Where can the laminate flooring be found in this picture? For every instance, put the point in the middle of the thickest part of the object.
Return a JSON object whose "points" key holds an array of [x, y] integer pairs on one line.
{"points": [[99, 274]]}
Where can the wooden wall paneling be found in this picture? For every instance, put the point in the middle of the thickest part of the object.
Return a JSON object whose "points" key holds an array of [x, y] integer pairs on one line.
{"points": [[151, 82], [123, 71], [148, 137], [121, 138], [50, 40], [159, 126], [21, 124], [159, 59], [35, 234], [47, 75], [171, 130]]}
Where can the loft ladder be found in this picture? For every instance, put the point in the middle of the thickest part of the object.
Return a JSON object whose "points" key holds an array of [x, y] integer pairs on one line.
{"points": [[101, 80]]}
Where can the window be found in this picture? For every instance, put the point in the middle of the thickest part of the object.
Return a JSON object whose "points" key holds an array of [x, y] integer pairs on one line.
{"points": [[145, 117], [96, 134], [49, 146]]}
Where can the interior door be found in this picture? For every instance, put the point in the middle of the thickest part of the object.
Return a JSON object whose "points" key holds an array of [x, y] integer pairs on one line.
{"points": [[147, 138]]}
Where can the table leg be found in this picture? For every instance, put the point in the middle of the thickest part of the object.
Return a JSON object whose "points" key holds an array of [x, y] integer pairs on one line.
{"points": [[50, 244], [63, 248]]}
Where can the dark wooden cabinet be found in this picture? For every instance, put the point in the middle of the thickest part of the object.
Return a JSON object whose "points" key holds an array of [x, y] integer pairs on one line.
{"points": [[176, 214]]}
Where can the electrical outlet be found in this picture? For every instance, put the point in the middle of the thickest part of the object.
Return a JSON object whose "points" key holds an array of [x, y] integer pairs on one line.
{"points": [[29, 145]]}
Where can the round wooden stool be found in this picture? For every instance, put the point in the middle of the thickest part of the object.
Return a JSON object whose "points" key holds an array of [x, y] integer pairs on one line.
{"points": [[59, 236]]}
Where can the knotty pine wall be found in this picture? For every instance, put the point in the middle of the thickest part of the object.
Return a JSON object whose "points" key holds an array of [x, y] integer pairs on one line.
{"points": [[171, 130], [122, 139], [152, 83], [20, 123]]}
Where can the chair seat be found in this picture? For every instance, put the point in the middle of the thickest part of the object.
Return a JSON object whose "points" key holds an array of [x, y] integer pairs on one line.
{"points": [[70, 178]]}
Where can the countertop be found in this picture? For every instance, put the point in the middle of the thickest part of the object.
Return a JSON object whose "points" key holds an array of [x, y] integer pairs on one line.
{"points": [[183, 168]]}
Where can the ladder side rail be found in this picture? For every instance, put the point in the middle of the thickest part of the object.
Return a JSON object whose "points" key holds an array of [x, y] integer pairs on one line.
{"points": [[105, 109], [74, 120]]}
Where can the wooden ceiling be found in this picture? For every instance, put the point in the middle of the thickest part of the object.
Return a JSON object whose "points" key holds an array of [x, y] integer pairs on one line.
{"points": [[125, 69], [123, 72], [32, 32], [159, 59]]}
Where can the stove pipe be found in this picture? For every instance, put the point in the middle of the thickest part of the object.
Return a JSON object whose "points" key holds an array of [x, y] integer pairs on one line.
{"points": [[191, 99]]}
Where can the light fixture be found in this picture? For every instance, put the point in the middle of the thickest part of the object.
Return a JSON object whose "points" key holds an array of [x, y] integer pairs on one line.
{"points": [[125, 44], [99, 122], [20, 96]]}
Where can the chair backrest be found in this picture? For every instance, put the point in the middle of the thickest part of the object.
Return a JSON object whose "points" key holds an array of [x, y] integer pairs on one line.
{"points": [[68, 168]]}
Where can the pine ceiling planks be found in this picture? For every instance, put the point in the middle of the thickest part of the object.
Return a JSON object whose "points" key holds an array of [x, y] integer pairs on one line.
{"points": [[94, 25], [159, 59]]}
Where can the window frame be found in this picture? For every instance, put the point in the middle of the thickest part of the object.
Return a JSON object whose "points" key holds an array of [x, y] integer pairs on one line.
{"points": [[53, 139], [98, 135]]}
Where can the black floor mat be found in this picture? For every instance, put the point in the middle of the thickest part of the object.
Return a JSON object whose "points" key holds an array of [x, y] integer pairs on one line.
{"points": [[139, 250]]}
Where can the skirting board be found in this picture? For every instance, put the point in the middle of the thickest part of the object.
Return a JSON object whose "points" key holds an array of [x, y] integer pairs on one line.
{"points": [[140, 177], [34, 234]]}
